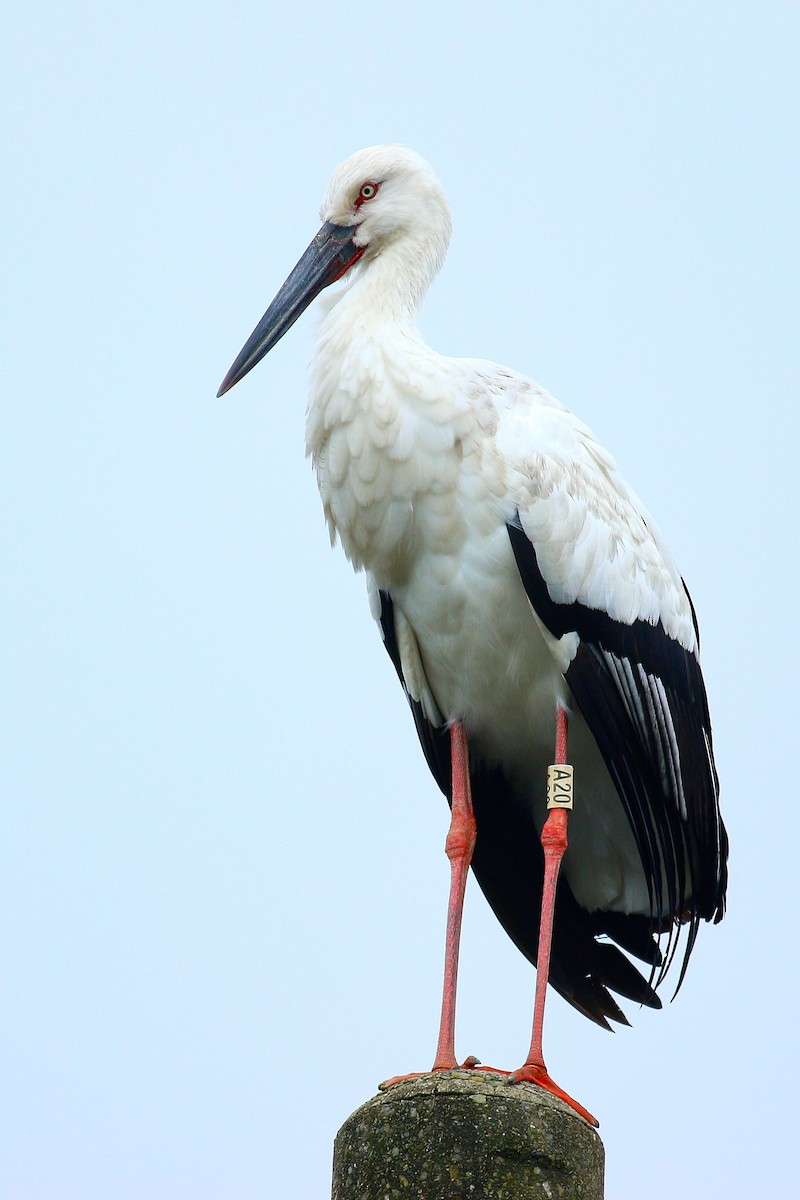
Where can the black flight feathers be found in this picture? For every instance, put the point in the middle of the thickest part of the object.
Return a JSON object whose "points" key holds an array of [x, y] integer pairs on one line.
{"points": [[643, 697]]}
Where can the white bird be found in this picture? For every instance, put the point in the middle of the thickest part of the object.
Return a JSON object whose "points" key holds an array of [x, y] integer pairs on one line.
{"points": [[518, 584]]}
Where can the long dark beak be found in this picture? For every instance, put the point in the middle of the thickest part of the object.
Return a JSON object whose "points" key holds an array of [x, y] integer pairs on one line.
{"points": [[327, 258]]}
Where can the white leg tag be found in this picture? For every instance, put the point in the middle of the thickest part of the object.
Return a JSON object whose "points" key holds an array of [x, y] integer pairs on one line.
{"points": [[559, 786]]}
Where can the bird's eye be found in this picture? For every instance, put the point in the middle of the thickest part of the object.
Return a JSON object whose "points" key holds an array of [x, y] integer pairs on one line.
{"points": [[368, 191]]}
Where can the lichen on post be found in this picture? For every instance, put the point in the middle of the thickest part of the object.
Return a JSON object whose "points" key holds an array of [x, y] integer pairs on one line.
{"points": [[458, 1134]]}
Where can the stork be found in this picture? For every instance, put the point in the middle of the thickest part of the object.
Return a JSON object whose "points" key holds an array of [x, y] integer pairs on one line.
{"points": [[526, 601]]}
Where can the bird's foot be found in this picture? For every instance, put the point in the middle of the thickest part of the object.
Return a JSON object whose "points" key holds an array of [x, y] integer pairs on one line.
{"points": [[528, 1073], [533, 1073], [469, 1064], [537, 1073]]}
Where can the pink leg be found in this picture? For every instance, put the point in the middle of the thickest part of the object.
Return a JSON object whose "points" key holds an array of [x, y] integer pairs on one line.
{"points": [[458, 846], [554, 843]]}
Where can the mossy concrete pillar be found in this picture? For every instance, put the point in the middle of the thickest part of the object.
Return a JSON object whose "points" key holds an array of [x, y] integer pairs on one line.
{"points": [[460, 1134]]}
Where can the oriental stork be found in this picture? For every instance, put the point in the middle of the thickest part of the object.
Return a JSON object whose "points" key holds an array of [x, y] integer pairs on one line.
{"points": [[521, 592]]}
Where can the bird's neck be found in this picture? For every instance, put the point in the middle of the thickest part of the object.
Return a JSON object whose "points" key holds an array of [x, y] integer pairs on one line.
{"points": [[381, 425], [369, 342], [389, 287]]}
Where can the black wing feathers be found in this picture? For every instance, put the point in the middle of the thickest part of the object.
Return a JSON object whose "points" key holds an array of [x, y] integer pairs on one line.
{"points": [[435, 742], [643, 697]]}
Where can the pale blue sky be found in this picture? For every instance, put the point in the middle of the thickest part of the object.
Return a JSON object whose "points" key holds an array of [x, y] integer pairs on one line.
{"points": [[222, 875]]}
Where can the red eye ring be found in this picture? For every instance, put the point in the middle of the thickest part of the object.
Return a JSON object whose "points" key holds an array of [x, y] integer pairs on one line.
{"points": [[369, 191]]}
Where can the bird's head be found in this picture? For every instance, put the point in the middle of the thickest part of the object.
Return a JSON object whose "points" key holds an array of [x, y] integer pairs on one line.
{"points": [[387, 193], [382, 199]]}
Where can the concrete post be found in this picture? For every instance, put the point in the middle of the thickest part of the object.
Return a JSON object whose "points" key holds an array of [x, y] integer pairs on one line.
{"points": [[461, 1134]]}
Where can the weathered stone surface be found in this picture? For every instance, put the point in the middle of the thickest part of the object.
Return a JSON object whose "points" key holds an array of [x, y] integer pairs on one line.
{"points": [[460, 1134]]}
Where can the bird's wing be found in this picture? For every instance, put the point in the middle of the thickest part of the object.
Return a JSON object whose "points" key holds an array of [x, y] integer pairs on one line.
{"points": [[603, 585]]}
